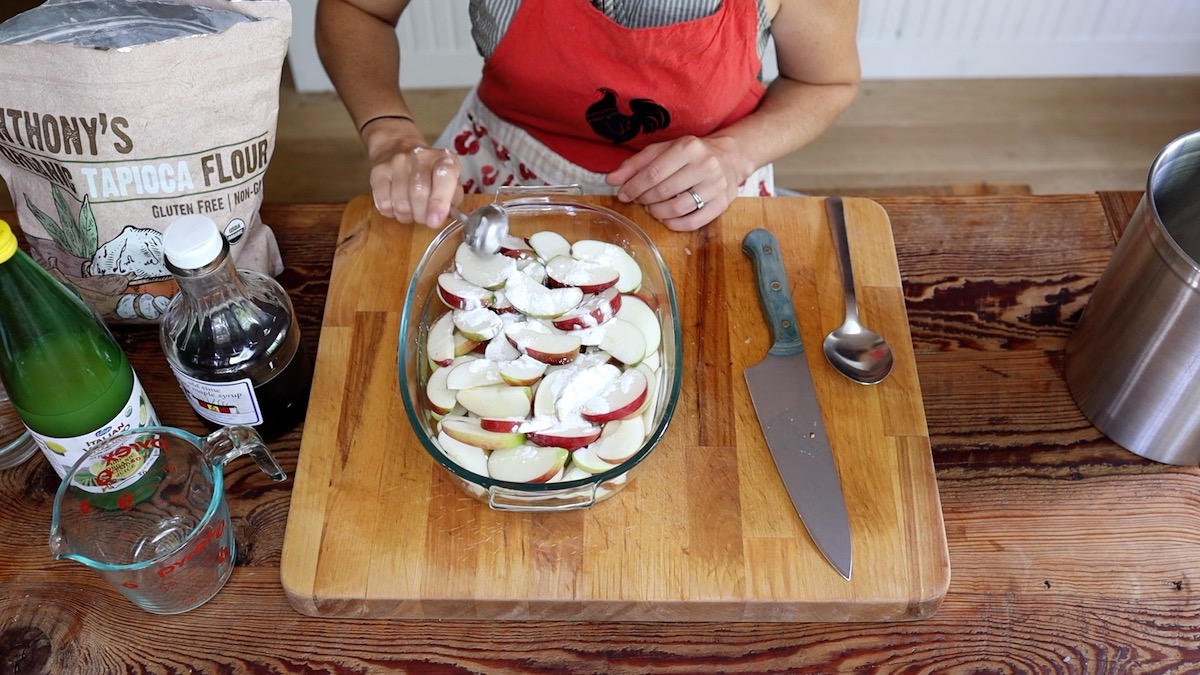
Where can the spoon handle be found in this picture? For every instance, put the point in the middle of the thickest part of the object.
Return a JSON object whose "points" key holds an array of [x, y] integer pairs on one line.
{"points": [[836, 212]]}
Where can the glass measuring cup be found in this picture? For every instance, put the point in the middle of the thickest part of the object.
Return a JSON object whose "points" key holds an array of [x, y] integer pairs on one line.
{"points": [[146, 510]]}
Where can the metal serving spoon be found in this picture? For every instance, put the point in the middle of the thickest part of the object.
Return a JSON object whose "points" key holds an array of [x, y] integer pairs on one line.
{"points": [[853, 349], [484, 228]]}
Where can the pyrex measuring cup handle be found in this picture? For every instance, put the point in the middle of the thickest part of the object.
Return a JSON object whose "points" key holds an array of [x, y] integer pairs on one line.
{"points": [[231, 442]]}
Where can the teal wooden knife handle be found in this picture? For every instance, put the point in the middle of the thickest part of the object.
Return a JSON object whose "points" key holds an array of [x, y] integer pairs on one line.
{"points": [[774, 292]]}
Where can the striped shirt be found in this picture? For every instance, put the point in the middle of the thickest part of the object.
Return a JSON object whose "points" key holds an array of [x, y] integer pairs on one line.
{"points": [[490, 18]]}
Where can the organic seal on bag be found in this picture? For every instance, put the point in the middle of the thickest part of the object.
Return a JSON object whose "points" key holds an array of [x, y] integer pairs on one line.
{"points": [[119, 116]]}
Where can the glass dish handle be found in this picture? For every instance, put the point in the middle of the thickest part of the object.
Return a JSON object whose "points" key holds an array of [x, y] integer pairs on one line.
{"points": [[504, 499]]}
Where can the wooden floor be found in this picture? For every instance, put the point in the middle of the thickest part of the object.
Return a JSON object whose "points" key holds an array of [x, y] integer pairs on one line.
{"points": [[1053, 135]]}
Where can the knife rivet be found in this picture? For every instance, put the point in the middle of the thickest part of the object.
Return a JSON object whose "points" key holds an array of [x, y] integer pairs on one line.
{"points": [[775, 285], [785, 323]]}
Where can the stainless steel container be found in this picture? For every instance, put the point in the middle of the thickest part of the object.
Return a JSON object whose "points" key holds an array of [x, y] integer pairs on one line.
{"points": [[1133, 362]]}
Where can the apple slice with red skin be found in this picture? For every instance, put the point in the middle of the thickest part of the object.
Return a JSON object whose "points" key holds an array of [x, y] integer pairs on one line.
{"points": [[624, 341], [622, 442], [581, 386], [533, 299], [548, 244], [586, 459], [501, 350], [551, 348], [620, 399], [586, 275], [614, 256], [469, 431], [458, 293], [489, 271], [440, 344], [522, 371], [527, 463], [516, 247], [570, 438], [496, 400], [593, 310], [441, 399], [473, 373], [502, 424], [470, 457], [479, 324], [637, 312]]}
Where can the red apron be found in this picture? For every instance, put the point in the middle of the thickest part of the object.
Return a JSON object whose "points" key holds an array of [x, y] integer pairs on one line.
{"points": [[596, 92]]}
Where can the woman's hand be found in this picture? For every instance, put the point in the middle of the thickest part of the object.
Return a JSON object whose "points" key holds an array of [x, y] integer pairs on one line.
{"points": [[686, 183], [410, 181]]}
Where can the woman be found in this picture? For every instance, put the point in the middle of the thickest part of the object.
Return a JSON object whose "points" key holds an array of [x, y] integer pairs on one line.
{"points": [[657, 101]]}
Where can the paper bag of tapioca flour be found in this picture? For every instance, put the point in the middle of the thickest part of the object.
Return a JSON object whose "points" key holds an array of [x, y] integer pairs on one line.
{"points": [[119, 116]]}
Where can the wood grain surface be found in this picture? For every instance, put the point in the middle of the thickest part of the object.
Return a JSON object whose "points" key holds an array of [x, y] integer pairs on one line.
{"points": [[704, 532], [1069, 554]]}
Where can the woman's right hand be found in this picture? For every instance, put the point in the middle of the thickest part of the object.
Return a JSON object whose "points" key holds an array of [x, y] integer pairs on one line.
{"points": [[410, 181]]}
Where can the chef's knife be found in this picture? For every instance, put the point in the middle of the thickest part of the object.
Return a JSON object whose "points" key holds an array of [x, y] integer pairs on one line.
{"points": [[781, 388]]}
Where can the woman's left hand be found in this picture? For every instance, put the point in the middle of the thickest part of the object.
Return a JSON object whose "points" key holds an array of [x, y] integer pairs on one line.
{"points": [[686, 183]]}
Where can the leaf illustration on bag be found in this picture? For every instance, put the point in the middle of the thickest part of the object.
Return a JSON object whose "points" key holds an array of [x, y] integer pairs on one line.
{"points": [[76, 236]]}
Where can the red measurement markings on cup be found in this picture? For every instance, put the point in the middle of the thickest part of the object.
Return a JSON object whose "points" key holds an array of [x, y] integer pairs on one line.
{"points": [[212, 533]]}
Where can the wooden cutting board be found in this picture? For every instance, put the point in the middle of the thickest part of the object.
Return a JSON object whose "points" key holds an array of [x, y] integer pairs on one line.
{"points": [[704, 532]]}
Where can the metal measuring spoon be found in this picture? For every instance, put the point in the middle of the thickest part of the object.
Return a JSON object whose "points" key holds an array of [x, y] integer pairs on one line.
{"points": [[853, 349], [484, 228]]}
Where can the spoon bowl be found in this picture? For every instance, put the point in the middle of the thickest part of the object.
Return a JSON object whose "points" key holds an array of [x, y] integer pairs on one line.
{"points": [[853, 349], [484, 228]]}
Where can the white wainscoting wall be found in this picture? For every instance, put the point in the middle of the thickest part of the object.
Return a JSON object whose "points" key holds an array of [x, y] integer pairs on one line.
{"points": [[898, 39]]}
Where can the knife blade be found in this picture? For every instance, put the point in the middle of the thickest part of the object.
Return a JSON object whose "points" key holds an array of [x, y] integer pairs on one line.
{"points": [[785, 400]]}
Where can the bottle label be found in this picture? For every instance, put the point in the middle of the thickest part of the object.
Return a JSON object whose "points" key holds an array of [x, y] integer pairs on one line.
{"points": [[100, 477], [222, 402]]}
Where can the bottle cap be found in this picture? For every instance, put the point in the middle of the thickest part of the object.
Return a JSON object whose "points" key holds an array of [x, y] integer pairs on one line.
{"points": [[191, 242], [8, 241]]}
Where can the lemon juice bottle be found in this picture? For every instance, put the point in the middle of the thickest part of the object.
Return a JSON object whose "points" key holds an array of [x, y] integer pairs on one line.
{"points": [[68, 379]]}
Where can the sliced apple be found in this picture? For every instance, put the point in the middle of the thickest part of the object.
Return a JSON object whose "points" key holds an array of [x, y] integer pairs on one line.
{"points": [[581, 386], [478, 325], [501, 350], [547, 392], [458, 293], [441, 399], [587, 460], [470, 457], [496, 400], [651, 392], [573, 472], [501, 304], [524, 370], [502, 424], [586, 275], [490, 271], [440, 345], [473, 373], [549, 348], [569, 437], [527, 463], [652, 361], [516, 247], [533, 299], [548, 244], [534, 269], [622, 398], [624, 341], [613, 256], [623, 442], [594, 310], [635, 310], [469, 431]]}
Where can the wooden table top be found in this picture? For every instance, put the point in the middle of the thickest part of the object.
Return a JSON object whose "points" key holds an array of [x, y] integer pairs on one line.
{"points": [[1068, 554]]}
